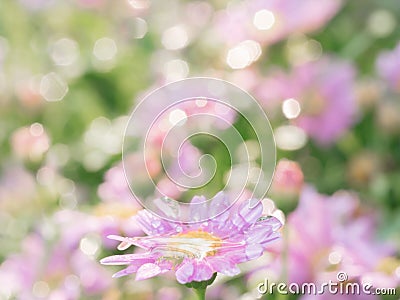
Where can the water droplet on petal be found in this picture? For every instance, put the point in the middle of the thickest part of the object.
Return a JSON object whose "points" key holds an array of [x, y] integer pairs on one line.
{"points": [[263, 218], [156, 223]]}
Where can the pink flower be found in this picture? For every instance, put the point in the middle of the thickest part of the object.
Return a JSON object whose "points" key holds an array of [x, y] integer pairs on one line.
{"points": [[331, 234], [115, 187], [288, 178], [17, 189], [196, 251], [61, 257], [326, 235], [388, 65], [30, 142], [325, 91], [271, 21]]}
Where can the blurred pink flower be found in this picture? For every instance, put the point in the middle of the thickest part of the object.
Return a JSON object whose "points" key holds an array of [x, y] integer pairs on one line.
{"points": [[17, 188], [30, 142], [36, 5], [196, 251], [288, 178], [115, 188], [271, 21], [57, 271], [336, 236], [388, 65], [58, 261], [169, 293], [324, 90], [167, 188], [186, 163], [181, 112]]}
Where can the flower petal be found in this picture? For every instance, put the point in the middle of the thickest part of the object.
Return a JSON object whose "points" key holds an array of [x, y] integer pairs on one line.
{"points": [[251, 210], [248, 212], [254, 251], [198, 208], [165, 265], [219, 204], [185, 272], [223, 265], [127, 271], [263, 230], [126, 259], [258, 234], [147, 270], [151, 224], [202, 271], [273, 237]]}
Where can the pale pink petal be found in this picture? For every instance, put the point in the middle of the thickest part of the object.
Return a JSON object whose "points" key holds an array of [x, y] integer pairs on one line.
{"points": [[248, 213], [198, 208], [126, 259], [223, 265], [152, 224], [251, 210], [202, 271], [237, 255], [254, 251], [185, 272], [165, 265], [258, 234], [263, 231], [270, 239], [129, 270], [147, 270], [218, 205]]}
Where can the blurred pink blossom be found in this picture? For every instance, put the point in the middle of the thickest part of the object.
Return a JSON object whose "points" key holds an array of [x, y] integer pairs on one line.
{"points": [[271, 21], [115, 187], [388, 65], [331, 234], [324, 90], [30, 142], [288, 178], [17, 188], [60, 257]]}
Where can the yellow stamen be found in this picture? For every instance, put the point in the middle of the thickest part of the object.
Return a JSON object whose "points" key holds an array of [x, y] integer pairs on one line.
{"points": [[197, 243], [198, 234]]}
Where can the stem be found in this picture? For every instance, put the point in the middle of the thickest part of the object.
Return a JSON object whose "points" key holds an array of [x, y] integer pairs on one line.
{"points": [[285, 234], [201, 286], [201, 293]]}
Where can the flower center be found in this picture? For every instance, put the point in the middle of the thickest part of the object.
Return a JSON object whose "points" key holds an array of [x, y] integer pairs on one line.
{"points": [[198, 244]]}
